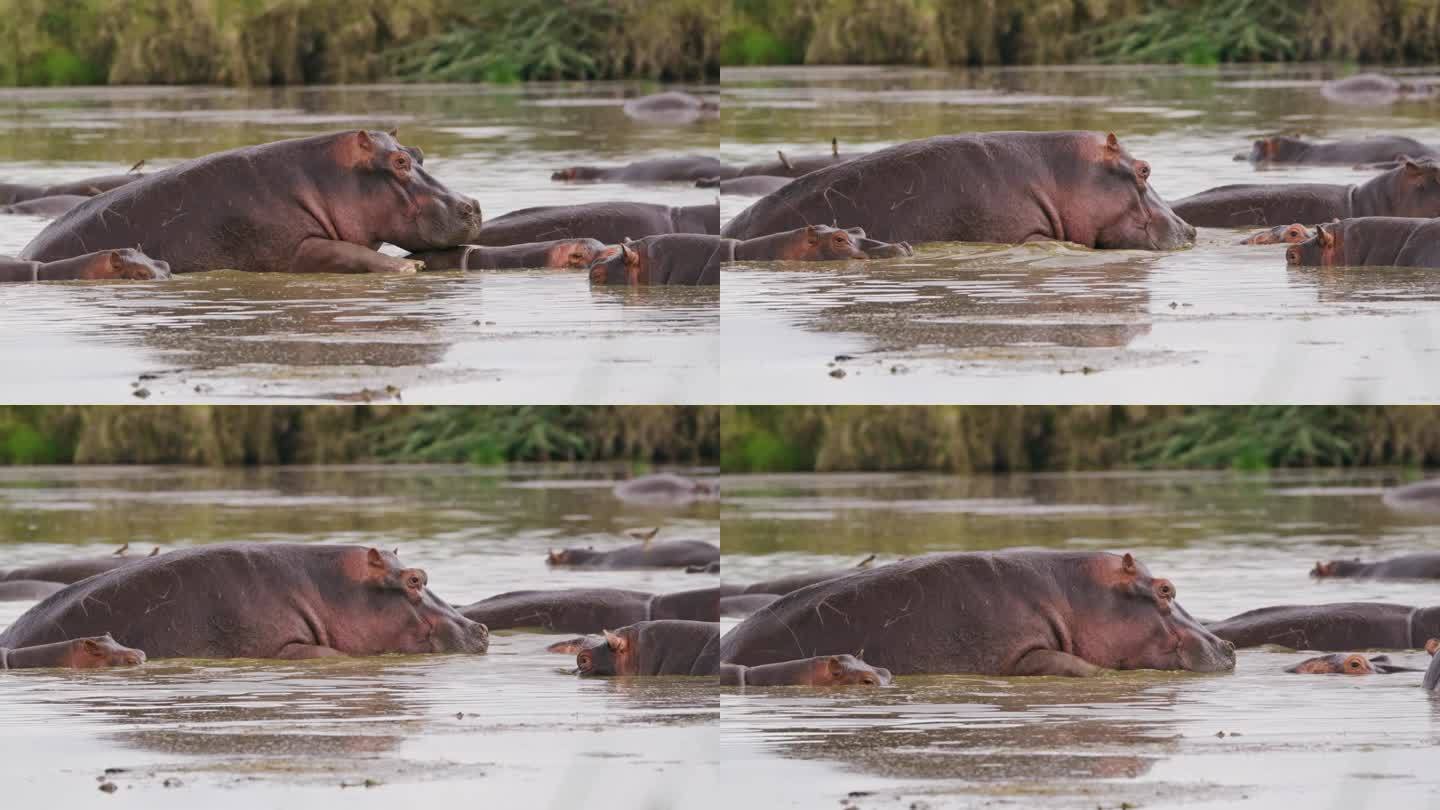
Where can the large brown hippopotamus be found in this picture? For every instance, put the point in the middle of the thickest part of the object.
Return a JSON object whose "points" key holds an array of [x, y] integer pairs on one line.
{"points": [[1371, 88], [75, 569], [253, 600], [322, 204], [754, 186], [794, 582], [823, 670], [1019, 612], [1007, 187], [25, 590], [1420, 497], [1379, 149], [1423, 565], [1292, 234], [11, 193], [673, 108], [1335, 627], [667, 647], [686, 169], [666, 488], [1410, 190], [565, 254], [95, 652], [590, 610], [669, 554], [1347, 664], [44, 206], [1374, 241], [609, 222], [105, 265]]}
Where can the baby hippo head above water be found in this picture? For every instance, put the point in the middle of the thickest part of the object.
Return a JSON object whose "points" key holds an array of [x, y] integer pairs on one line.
{"points": [[1292, 234], [407, 206], [1325, 249], [103, 651], [1347, 664]]}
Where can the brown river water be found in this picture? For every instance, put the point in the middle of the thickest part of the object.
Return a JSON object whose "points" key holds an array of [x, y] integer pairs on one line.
{"points": [[509, 728], [500, 336], [1217, 323], [1229, 542]]}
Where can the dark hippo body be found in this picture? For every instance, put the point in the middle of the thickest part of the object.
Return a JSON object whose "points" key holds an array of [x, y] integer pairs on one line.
{"points": [[686, 169], [252, 600], [95, 652], [1372, 241], [1371, 88], [1411, 190], [674, 259], [662, 488], [105, 265], [1347, 664], [670, 554], [1421, 496], [654, 648], [73, 570], [44, 206], [1380, 149], [1005, 613], [793, 166], [1432, 674], [11, 193], [672, 108], [309, 205], [609, 222], [563, 254], [1005, 187], [744, 604], [1425, 565], [1335, 627], [24, 590], [794, 582], [755, 186], [590, 610], [825, 670], [1292, 234]]}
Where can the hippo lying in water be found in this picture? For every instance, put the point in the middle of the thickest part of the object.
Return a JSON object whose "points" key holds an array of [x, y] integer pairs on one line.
{"points": [[25, 590], [1421, 496], [609, 222], [44, 206], [1006, 187], [252, 600], [95, 652], [1381, 149], [1432, 674], [1347, 664], [104, 265], [1424, 565], [755, 186], [1371, 88], [11, 193], [1411, 190], [1334, 627], [666, 488], [75, 569], [565, 254], [793, 166], [823, 670], [1374, 241], [685, 169], [1003, 613], [672, 108], [1292, 234], [653, 648], [590, 610], [323, 204], [671, 554], [794, 582]]}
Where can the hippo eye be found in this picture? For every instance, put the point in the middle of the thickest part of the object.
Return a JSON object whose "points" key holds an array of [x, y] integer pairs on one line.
{"points": [[1166, 590], [1142, 170], [413, 581], [401, 163]]}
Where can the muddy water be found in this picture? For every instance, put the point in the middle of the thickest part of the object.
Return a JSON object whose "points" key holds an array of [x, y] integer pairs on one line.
{"points": [[1228, 542], [448, 337], [1216, 323], [509, 725]]}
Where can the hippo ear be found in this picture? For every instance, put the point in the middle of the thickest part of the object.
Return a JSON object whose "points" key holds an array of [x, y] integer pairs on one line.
{"points": [[1411, 166], [617, 643], [154, 551], [394, 133], [1128, 563], [364, 141], [1320, 570], [1112, 143], [1327, 238], [1432, 645], [375, 558], [92, 646], [115, 261], [835, 666], [631, 257]]}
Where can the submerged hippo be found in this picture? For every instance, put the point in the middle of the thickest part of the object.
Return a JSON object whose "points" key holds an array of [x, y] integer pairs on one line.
{"points": [[44, 206], [1292, 234], [590, 610], [254, 600], [793, 166], [1374, 241], [1347, 664], [666, 488], [1424, 565], [672, 108], [1380, 149], [875, 249], [794, 582], [1371, 88], [1334, 627], [322, 204], [1421, 496], [105, 265], [25, 590], [95, 652], [674, 259], [609, 222], [1017, 612], [11, 193], [564, 254], [1411, 190], [686, 169], [670, 554], [1007, 187], [1432, 674], [654, 648], [743, 604], [76, 569], [824, 670], [754, 186]]}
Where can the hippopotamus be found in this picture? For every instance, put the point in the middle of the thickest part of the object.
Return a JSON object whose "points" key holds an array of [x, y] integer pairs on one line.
{"points": [[754, 186], [11, 193], [1382, 241], [44, 206], [1335, 627], [1379, 149], [1018, 612], [1423, 565], [1007, 187], [24, 590], [686, 169], [822, 670], [1432, 674], [1421, 496], [666, 488], [1347, 664], [875, 249], [1411, 190], [666, 647], [672, 259], [744, 604], [104, 265], [673, 108], [73, 570], [670, 554], [256, 600], [94, 652], [797, 165], [609, 222], [794, 582], [590, 610], [1292, 234], [566, 254], [1371, 88], [322, 204]]}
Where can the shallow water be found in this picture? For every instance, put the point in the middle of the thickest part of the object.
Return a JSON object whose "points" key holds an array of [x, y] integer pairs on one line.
{"points": [[1229, 542], [1217, 323], [502, 336], [530, 735]]}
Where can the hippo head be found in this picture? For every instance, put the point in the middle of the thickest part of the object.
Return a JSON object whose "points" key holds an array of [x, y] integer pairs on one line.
{"points": [[1337, 568], [1137, 624], [575, 254], [383, 571], [383, 608], [611, 654], [1347, 664], [572, 174], [1292, 234], [1324, 249], [617, 264], [1118, 206], [1412, 189], [1277, 148], [571, 556], [847, 670], [126, 264], [103, 651], [397, 200], [817, 243]]}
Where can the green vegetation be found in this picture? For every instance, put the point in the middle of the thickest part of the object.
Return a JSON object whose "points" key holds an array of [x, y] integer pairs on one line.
{"points": [[963, 439], [234, 435]]}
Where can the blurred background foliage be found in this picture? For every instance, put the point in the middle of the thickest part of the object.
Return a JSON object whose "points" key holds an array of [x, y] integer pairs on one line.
{"points": [[235, 435]]}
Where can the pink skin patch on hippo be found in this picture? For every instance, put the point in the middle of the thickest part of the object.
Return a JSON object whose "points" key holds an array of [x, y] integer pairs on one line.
{"points": [[100, 652], [572, 255]]}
